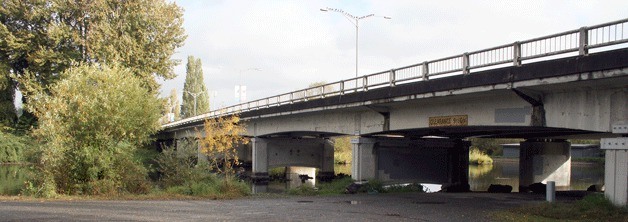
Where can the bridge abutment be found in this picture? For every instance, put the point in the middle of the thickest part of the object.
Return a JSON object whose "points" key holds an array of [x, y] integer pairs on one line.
{"points": [[544, 160], [440, 161]]}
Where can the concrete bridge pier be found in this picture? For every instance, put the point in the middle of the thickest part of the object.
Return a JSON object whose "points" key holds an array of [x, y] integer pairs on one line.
{"points": [[439, 161], [544, 160], [287, 152], [616, 166]]}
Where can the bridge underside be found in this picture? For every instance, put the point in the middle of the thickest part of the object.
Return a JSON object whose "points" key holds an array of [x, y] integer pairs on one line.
{"points": [[525, 132]]}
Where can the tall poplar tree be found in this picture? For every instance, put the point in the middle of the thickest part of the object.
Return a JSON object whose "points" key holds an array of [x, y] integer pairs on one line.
{"points": [[194, 86], [41, 39]]}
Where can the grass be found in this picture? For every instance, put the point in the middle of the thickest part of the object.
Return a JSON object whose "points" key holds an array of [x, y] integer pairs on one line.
{"points": [[594, 207], [192, 191], [478, 157]]}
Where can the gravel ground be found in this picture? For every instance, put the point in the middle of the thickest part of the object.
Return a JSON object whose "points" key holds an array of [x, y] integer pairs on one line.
{"points": [[359, 207]]}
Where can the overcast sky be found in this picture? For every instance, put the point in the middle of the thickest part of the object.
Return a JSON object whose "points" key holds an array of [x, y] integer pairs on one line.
{"points": [[295, 44]]}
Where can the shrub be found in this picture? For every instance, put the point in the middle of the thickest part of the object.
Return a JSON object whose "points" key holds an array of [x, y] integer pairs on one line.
{"points": [[90, 123], [478, 157], [12, 147], [342, 150], [336, 186]]}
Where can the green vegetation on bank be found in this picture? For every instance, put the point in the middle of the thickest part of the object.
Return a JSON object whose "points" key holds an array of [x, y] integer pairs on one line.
{"points": [[183, 174], [594, 207], [478, 157], [342, 150]]}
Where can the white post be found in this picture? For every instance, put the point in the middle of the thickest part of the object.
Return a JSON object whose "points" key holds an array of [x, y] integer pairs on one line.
{"points": [[616, 166], [550, 190]]}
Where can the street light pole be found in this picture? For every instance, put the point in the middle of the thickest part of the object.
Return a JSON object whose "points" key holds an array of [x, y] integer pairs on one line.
{"points": [[193, 95], [355, 21]]}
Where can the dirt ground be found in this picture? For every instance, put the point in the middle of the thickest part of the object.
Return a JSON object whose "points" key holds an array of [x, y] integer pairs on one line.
{"points": [[359, 207]]}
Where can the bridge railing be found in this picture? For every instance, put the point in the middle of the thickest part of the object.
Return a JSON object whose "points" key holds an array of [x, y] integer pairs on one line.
{"points": [[577, 40]]}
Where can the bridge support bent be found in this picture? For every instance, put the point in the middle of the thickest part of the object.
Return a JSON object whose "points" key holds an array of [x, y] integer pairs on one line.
{"points": [[544, 160], [303, 152], [440, 161]]}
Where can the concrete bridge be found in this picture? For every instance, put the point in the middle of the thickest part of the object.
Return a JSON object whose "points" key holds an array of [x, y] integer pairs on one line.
{"points": [[409, 123]]}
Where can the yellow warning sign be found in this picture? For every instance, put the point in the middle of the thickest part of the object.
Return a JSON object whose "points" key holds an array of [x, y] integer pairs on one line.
{"points": [[458, 120]]}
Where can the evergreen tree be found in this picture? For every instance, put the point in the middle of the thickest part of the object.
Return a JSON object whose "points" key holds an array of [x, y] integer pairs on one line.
{"points": [[7, 108], [175, 104], [194, 87]]}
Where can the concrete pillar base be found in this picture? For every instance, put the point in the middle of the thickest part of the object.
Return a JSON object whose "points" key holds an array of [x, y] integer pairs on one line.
{"points": [[544, 160], [363, 165], [616, 169]]}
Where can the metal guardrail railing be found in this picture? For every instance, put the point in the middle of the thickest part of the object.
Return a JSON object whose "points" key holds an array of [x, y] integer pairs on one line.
{"points": [[578, 40]]}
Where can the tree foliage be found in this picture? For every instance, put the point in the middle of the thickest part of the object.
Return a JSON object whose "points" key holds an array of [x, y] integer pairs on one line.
{"points": [[7, 93], [194, 86], [47, 37], [178, 165], [172, 108], [90, 123], [222, 136], [320, 88]]}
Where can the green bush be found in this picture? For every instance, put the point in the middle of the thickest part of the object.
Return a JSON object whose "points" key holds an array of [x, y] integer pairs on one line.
{"points": [[215, 188], [336, 186], [478, 157], [182, 174], [12, 147], [178, 166], [342, 150], [91, 121], [492, 147]]}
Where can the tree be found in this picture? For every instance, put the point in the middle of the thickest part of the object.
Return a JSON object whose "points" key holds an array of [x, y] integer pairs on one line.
{"points": [[222, 136], [172, 108], [44, 38], [318, 91], [90, 123], [194, 92], [7, 108]]}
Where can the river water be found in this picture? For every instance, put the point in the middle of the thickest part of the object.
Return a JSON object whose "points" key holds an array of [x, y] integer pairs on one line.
{"points": [[505, 172]]}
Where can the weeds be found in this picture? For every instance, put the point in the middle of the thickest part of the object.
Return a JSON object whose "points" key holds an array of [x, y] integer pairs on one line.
{"points": [[594, 207]]}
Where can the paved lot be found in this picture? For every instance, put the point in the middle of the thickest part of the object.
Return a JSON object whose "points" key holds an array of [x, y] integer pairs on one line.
{"points": [[362, 207]]}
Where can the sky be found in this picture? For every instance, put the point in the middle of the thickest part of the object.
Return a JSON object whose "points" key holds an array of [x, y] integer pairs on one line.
{"points": [[275, 47]]}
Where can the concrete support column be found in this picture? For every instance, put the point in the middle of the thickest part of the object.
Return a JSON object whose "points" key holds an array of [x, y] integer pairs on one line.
{"points": [[459, 164], [326, 172], [544, 160], [364, 159], [616, 166], [259, 173]]}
